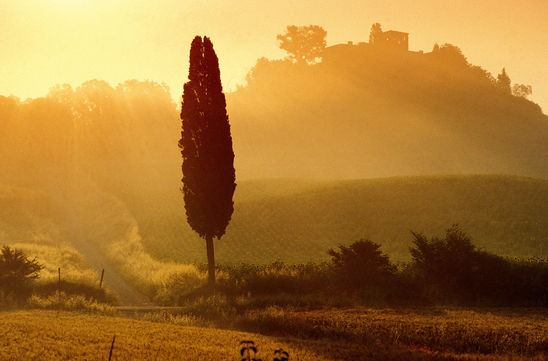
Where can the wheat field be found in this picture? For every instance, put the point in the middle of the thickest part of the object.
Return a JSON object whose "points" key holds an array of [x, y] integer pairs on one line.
{"points": [[351, 334], [51, 335]]}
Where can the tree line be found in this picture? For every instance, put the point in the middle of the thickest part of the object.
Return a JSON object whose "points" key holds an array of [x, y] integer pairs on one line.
{"points": [[446, 269], [93, 131]]}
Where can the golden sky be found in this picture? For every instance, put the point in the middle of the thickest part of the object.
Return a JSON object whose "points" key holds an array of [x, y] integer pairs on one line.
{"points": [[48, 42]]}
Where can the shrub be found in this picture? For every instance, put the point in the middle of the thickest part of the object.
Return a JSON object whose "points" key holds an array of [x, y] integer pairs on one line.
{"points": [[17, 272], [452, 270], [447, 266], [362, 266]]}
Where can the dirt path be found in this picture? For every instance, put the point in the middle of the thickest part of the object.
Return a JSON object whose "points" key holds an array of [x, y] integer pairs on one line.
{"points": [[86, 211], [127, 294]]}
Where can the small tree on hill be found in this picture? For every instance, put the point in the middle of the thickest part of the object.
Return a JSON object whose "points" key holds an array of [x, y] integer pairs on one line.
{"points": [[375, 34], [206, 147], [522, 90], [503, 82], [304, 44], [450, 54]]}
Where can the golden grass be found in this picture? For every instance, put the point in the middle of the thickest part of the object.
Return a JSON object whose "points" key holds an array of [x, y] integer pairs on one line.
{"points": [[456, 330], [54, 335], [446, 333], [50, 335], [352, 334], [62, 301]]}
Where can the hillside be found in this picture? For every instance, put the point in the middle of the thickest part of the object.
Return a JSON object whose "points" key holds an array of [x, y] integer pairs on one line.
{"points": [[288, 220], [364, 112], [298, 221], [83, 231], [357, 114]]}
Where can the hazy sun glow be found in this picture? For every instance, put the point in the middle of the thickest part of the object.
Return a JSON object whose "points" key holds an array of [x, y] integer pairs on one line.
{"points": [[46, 42]]}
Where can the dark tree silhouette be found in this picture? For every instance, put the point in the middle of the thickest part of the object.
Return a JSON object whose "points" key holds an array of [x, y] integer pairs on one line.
{"points": [[362, 264], [16, 272], [522, 90], [206, 147], [504, 82], [303, 43], [375, 34]]}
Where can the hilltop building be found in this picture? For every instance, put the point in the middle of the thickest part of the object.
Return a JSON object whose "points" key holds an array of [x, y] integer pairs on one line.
{"points": [[390, 41], [396, 40]]}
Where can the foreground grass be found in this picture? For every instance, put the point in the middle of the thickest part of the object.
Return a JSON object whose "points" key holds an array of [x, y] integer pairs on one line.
{"points": [[51, 335], [439, 332], [453, 331], [329, 334]]}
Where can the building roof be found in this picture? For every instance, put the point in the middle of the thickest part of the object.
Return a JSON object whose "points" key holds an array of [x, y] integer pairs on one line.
{"points": [[395, 32]]}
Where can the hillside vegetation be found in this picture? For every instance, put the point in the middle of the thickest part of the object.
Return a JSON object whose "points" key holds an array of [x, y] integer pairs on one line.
{"points": [[294, 221]]}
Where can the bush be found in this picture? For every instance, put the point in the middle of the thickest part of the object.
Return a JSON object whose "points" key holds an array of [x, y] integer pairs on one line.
{"points": [[17, 272], [447, 266], [452, 270], [362, 266]]}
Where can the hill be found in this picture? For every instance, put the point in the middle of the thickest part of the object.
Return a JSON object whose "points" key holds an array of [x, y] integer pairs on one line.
{"points": [[287, 220], [367, 112], [141, 238], [359, 113], [298, 221]]}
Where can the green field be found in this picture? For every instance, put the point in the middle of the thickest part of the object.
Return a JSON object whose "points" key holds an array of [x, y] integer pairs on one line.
{"points": [[298, 221]]}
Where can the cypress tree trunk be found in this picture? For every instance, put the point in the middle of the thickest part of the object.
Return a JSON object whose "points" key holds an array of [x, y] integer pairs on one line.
{"points": [[210, 263]]}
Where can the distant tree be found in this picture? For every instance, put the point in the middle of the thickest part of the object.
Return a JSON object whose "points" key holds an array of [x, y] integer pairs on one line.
{"points": [[16, 272], [451, 54], [452, 269], [522, 90], [206, 148], [62, 93], [305, 44], [503, 81], [362, 264], [436, 48], [375, 34]]}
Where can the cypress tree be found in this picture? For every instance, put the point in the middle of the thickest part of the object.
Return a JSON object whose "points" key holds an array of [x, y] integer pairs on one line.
{"points": [[504, 82], [206, 147]]}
